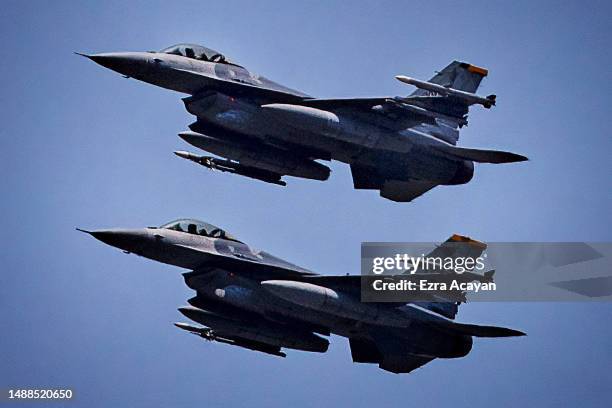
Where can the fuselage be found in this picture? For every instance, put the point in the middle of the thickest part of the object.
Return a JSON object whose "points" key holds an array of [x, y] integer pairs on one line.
{"points": [[228, 274], [230, 100]]}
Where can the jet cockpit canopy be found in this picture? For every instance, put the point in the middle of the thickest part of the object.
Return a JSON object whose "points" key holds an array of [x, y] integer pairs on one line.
{"points": [[197, 52], [197, 227]]}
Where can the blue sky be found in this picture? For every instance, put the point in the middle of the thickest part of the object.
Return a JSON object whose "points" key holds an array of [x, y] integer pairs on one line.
{"points": [[82, 146]]}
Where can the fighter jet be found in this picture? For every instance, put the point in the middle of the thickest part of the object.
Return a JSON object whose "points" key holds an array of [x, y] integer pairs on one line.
{"points": [[251, 299], [401, 146]]}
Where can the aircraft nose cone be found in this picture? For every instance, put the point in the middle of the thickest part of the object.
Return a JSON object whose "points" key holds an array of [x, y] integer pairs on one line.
{"points": [[109, 237], [126, 63], [128, 240], [108, 60]]}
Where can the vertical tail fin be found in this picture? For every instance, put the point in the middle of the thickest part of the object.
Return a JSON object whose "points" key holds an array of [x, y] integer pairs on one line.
{"points": [[457, 75]]}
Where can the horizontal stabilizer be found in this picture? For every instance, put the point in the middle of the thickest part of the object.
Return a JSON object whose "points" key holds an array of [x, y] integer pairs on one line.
{"points": [[481, 156]]}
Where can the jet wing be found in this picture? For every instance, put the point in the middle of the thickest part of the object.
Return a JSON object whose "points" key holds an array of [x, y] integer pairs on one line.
{"points": [[338, 103], [404, 112], [401, 115]]}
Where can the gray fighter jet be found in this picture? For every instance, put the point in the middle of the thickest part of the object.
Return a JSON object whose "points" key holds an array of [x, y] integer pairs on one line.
{"points": [[402, 146], [251, 299]]}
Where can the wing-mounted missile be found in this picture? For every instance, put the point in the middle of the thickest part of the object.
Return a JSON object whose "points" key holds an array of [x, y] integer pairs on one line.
{"points": [[257, 330], [229, 166], [210, 335], [204, 332], [257, 159], [468, 97]]}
